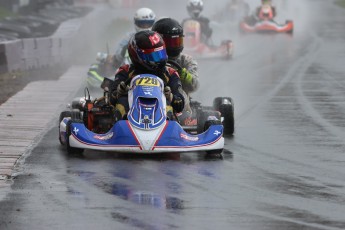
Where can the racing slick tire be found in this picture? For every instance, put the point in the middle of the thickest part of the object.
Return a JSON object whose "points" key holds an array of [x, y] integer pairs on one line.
{"points": [[202, 119], [214, 152], [225, 106], [228, 44], [63, 114], [211, 122], [72, 150], [287, 22]]}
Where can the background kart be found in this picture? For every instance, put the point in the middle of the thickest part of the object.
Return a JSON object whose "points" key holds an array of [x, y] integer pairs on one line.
{"points": [[95, 125], [194, 46], [248, 25]]}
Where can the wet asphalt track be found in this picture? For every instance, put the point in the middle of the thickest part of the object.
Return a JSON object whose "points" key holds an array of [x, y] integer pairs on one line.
{"points": [[283, 169]]}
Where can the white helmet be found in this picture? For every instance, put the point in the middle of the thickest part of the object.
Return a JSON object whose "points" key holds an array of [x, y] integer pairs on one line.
{"points": [[194, 8], [144, 19]]}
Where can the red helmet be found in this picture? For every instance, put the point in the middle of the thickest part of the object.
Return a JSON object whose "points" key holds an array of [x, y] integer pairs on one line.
{"points": [[147, 50]]}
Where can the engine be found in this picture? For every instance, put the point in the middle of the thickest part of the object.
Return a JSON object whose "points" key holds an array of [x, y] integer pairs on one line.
{"points": [[98, 118]]}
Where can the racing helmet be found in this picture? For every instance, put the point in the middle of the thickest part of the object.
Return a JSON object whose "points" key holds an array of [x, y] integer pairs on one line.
{"points": [[144, 19], [146, 49], [194, 8], [172, 34]]}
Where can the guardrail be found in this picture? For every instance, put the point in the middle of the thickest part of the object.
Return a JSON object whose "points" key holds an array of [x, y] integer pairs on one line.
{"points": [[34, 53]]}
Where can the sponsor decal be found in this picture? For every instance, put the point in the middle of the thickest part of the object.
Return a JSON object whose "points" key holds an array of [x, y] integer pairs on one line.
{"points": [[216, 133], [155, 39], [75, 130], [147, 81], [188, 138], [103, 138], [146, 121], [190, 121]]}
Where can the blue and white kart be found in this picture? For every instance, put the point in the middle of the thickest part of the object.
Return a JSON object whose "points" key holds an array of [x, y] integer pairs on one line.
{"points": [[147, 130]]}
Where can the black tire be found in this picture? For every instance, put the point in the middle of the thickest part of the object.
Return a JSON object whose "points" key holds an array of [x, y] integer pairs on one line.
{"points": [[290, 31], [71, 150], [225, 106], [62, 116], [214, 152], [211, 122], [202, 117], [228, 55]]}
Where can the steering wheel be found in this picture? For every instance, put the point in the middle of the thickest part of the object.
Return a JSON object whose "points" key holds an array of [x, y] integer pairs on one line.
{"points": [[175, 65]]}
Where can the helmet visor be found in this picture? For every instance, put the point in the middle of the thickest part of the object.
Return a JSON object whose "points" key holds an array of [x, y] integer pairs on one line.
{"points": [[153, 55], [173, 41], [144, 24]]}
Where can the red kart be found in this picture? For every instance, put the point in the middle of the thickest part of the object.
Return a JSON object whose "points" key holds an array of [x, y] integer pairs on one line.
{"points": [[267, 26], [194, 46], [264, 22]]}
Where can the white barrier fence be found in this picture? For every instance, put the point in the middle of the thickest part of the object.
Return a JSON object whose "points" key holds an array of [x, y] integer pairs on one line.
{"points": [[33, 53]]}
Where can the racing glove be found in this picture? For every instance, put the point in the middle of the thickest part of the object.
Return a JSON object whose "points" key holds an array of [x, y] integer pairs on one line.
{"points": [[168, 94], [177, 104], [186, 77], [122, 89]]}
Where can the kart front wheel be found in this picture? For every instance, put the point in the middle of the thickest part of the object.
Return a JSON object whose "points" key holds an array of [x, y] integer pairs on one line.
{"points": [[214, 151], [71, 150], [225, 106], [203, 120], [211, 122]]}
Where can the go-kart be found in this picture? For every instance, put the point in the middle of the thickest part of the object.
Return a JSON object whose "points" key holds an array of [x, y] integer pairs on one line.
{"points": [[194, 45], [265, 23], [149, 128], [264, 26]]}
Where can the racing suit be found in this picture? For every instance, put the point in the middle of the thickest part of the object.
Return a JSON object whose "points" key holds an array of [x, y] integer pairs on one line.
{"points": [[126, 72], [254, 18], [206, 30], [190, 82], [98, 71], [259, 13]]}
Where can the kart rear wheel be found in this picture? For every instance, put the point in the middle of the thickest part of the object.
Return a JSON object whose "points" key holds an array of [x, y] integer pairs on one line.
{"points": [[71, 150], [62, 116], [225, 106], [290, 31], [228, 44]]}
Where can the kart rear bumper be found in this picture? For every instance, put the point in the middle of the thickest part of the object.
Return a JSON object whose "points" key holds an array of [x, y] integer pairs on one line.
{"points": [[267, 26]]}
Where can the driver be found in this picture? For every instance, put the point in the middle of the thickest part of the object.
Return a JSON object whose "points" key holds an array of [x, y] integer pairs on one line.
{"points": [[148, 55], [143, 20], [172, 34], [194, 8], [262, 14]]}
